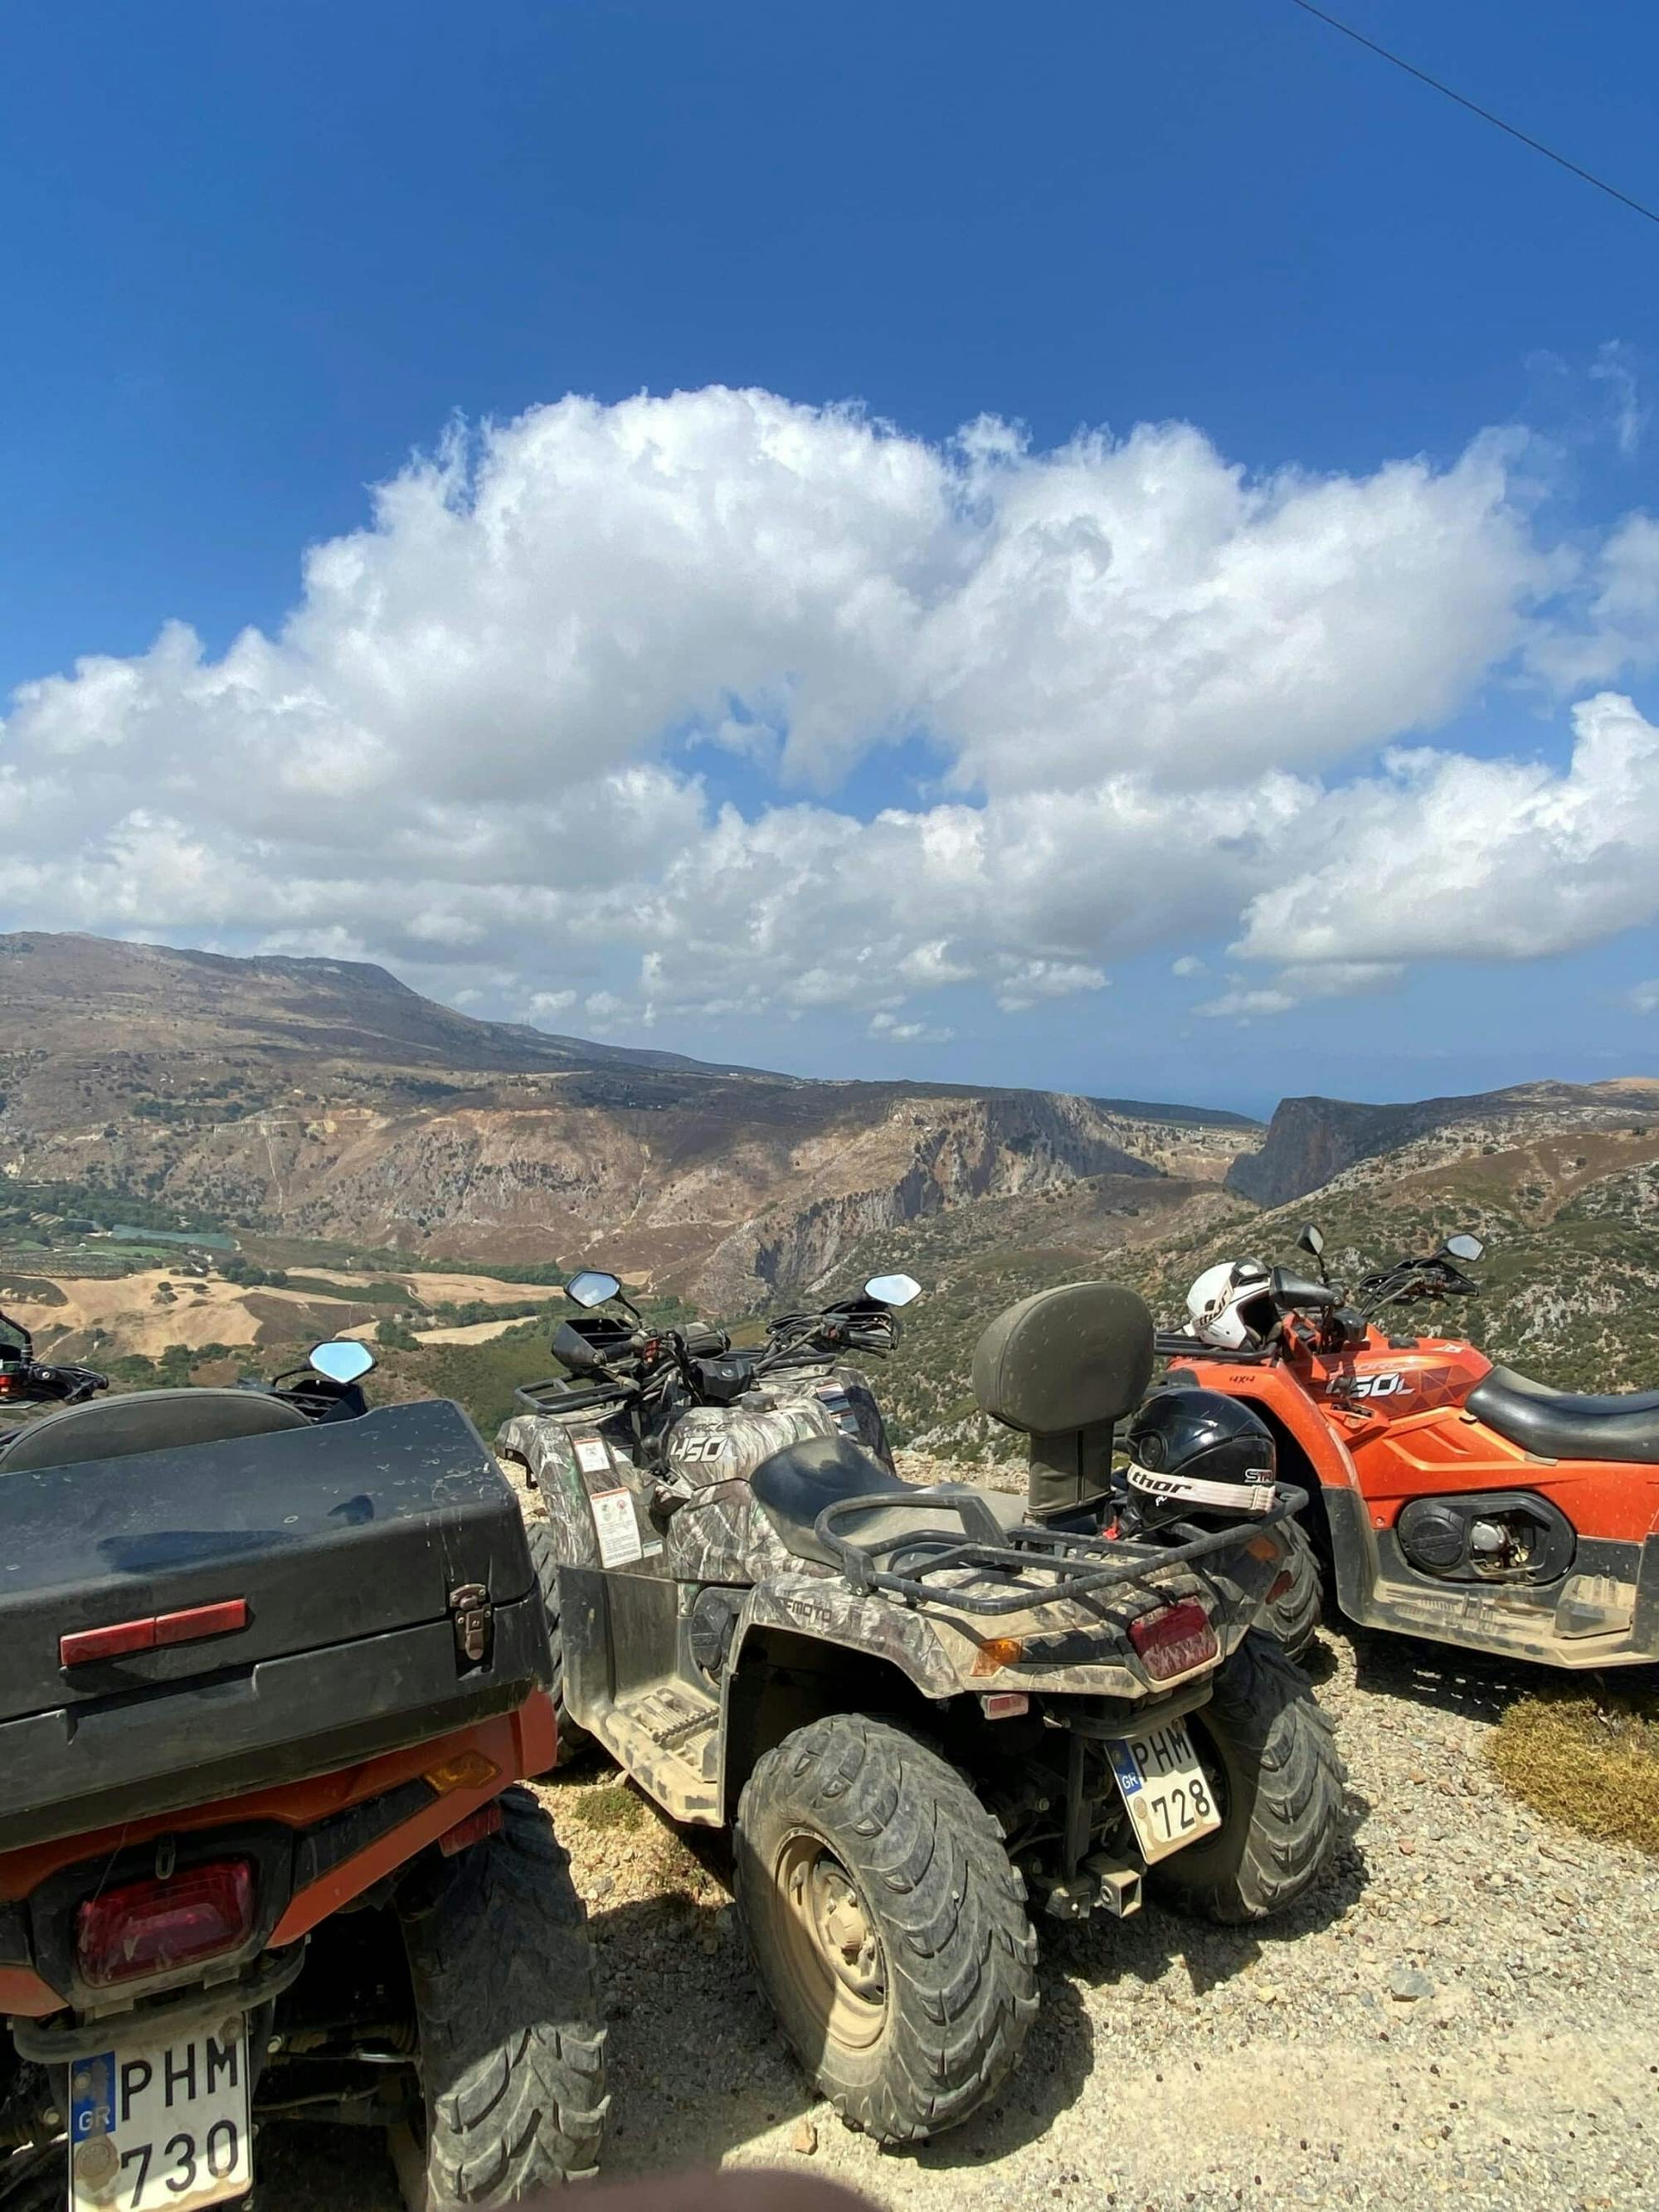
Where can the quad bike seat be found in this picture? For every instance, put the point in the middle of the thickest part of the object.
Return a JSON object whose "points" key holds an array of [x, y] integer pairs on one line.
{"points": [[793, 1488], [1556, 1424], [145, 1421]]}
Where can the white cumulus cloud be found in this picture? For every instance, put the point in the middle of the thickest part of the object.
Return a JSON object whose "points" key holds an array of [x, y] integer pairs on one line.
{"points": [[568, 725], [1443, 854]]}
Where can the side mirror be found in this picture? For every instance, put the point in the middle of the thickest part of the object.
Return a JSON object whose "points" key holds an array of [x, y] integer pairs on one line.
{"points": [[589, 1287], [1312, 1239], [1464, 1247], [342, 1359], [892, 1289]]}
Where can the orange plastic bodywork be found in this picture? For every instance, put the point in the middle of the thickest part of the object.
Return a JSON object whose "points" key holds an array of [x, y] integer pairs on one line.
{"points": [[1414, 1439], [514, 1746]]}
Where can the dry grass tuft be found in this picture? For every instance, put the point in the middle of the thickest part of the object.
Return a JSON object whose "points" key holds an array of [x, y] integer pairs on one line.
{"points": [[1588, 1757], [613, 1805]]}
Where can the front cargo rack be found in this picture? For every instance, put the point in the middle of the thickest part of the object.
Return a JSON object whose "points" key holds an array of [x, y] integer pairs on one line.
{"points": [[1080, 1565], [1175, 1344], [551, 1394]]}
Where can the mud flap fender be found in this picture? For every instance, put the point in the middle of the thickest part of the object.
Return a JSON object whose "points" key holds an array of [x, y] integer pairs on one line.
{"points": [[826, 1612], [801, 1611]]}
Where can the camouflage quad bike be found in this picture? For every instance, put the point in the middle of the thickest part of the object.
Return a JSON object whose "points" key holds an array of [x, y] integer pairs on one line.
{"points": [[916, 1707]]}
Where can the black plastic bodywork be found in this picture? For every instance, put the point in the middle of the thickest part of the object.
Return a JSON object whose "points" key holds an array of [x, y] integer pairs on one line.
{"points": [[360, 1547], [1435, 1535]]}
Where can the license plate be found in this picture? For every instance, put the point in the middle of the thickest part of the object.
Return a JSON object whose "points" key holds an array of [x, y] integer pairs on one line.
{"points": [[160, 2123], [1167, 1792]]}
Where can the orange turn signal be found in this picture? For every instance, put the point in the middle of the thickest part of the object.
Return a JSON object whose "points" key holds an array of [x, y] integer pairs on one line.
{"points": [[468, 1770], [996, 1653]]}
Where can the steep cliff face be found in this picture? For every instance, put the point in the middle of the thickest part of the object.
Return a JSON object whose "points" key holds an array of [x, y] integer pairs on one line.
{"points": [[1311, 1141], [927, 1156], [356, 1111], [745, 1200]]}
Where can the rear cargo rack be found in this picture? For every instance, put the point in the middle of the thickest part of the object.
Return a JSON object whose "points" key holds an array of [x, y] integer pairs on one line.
{"points": [[1078, 1564]]}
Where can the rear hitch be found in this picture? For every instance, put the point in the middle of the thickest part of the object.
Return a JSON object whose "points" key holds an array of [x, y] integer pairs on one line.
{"points": [[1119, 1884], [1103, 1884]]}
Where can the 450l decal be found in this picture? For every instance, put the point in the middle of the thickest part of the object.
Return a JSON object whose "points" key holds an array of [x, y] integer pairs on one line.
{"points": [[1390, 1385]]}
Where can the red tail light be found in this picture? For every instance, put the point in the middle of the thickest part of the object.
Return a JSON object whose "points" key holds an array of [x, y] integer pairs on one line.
{"points": [[486, 1821], [151, 1927], [1175, 1640]]}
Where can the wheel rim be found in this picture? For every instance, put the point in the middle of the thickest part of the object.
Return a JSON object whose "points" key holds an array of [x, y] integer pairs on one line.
{"points": [[830, 1942]]}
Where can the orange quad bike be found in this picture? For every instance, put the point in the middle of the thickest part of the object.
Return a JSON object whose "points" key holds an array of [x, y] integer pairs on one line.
{"points": [[1449, 1498]]}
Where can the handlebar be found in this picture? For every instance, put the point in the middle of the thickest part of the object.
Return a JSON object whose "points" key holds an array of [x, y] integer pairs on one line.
{"points": [[1433, 1278], [29, 1381], [640, 1362]]}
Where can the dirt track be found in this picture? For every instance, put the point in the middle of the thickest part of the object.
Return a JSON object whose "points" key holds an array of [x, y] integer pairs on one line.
{"points": [[1175, 2065]]}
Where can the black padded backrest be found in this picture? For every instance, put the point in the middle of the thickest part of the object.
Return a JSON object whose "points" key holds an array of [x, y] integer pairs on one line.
{"points": [[1068, 1358], [145, 1421]]}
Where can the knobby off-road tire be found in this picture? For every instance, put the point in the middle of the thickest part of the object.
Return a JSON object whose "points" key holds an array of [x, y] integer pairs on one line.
{"points": [[1292, 1618], [854, 1820], [1269, 1754], [511, 2050], [572, 1740]]}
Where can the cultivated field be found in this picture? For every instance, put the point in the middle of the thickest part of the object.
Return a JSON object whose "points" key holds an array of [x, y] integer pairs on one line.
{"points": [[136, 1315]]}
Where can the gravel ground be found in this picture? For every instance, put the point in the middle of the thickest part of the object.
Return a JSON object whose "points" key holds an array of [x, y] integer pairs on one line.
{"points": [[1469, 2006]]}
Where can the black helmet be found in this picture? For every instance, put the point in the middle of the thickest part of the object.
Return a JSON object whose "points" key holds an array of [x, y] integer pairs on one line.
{"points": [[1200, 1449]]}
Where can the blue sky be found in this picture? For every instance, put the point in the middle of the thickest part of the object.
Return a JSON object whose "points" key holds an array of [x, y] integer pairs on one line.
{"points": [[257, 256]]}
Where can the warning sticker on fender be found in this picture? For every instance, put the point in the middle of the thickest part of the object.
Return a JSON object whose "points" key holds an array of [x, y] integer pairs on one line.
{"points": [[592, 1455], [617, 1530]]}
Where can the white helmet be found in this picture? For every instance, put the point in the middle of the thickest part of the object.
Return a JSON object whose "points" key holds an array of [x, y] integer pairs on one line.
{"points": [[1229, 1306]]}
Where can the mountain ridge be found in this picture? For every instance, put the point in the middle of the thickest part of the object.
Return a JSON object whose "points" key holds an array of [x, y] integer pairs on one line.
{"points": [[321, 1098], [315, 1106], [1310, 1141], [82, 961], [436, 1034]]}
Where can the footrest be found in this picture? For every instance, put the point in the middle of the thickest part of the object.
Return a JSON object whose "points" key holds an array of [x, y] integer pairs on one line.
{"points": [[668, 1717], [668, 1739]]}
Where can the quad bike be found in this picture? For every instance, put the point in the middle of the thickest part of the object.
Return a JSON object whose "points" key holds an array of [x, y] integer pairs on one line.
{"points": [[270, 1666], [916, 1707], [1449, 1498]]}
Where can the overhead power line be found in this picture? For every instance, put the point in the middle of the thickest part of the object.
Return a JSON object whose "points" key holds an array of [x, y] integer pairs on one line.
{"points": [[1475, 108]]}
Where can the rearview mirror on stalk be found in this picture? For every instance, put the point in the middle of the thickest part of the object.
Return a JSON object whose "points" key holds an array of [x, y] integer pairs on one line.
{"points": [[1312, 1239], [343, 1360], [590, 1287], [1464, 1247], [892, 1289]]}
